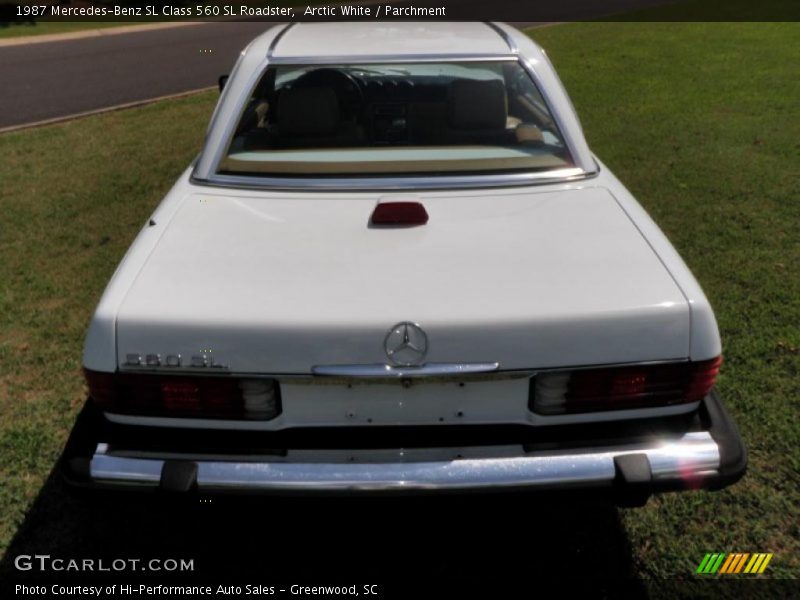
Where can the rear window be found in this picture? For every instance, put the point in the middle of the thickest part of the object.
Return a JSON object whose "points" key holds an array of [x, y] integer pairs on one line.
{"points": [[390, 119]]}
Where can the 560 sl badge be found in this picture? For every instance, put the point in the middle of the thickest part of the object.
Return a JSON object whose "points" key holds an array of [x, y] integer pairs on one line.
{"points": [[202, 360]]}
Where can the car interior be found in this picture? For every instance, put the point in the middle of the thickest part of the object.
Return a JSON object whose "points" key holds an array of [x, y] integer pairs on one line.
{"points": [[380, 106]]}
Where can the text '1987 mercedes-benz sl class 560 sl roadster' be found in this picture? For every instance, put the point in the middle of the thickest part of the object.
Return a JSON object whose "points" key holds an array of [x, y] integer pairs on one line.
{"points": [[396, 266]]}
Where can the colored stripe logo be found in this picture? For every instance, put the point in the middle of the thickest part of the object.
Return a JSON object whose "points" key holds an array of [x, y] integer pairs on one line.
{"points": [[734, 563]]}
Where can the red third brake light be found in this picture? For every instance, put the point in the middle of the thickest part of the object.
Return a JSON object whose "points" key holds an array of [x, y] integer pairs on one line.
{"points": [[619, 388], [399, 214]]}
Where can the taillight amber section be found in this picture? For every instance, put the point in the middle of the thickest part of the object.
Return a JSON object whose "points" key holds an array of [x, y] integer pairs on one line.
{"points": [[619, 388], [216, 397]]}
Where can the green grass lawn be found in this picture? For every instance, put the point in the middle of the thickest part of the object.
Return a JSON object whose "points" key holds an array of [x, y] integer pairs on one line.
{"points": [[699, 120]]}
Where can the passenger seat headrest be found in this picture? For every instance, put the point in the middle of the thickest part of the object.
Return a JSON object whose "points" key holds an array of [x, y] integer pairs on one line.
{"points": [[308, 111], [477, 104]]}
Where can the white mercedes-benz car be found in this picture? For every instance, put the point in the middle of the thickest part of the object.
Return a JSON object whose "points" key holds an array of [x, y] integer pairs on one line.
{"points": [[397, 266]]}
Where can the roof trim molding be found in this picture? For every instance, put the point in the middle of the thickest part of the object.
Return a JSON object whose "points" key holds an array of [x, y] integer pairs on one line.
{"points": [[277, 39], [505, 35]]}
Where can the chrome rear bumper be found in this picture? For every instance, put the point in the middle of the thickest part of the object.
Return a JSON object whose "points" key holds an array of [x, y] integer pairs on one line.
{"points": [[711, 456], [692, 457]]}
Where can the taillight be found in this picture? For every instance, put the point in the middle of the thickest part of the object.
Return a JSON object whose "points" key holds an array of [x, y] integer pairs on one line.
{"points": [[619, 388], [185, 395]]}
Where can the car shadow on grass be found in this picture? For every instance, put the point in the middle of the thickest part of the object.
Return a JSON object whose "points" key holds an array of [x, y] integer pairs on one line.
{"points": [[486, 540]]}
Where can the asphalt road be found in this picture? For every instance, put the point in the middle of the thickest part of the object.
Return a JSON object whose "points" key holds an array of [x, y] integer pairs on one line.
{"points": [[62, 78], [56, 79]]}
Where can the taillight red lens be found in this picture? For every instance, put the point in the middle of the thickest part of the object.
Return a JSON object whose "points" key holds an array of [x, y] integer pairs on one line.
{"points": [[702, 379], [183, 395], [618, 388], [102, 386]]}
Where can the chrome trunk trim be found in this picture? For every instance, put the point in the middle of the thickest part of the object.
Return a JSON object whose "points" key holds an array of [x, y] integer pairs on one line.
{"points": [[401, 372]]}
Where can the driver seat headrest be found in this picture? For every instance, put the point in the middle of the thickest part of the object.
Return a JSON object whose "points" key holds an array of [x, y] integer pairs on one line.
{"points": [[308, 111]]}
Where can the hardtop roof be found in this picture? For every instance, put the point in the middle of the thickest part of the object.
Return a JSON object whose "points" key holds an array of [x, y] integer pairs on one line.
{"points": [[394, 39]]}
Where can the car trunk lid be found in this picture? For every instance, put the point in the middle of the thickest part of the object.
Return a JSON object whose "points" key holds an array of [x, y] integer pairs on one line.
{"points": [[279, 283]]}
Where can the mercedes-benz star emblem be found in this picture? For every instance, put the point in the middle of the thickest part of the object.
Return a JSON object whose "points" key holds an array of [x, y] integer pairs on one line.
{"points": [[406, 344]]}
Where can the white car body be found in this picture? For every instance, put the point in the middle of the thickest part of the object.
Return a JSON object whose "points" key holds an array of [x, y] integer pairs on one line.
{"points": [[514, 275]]}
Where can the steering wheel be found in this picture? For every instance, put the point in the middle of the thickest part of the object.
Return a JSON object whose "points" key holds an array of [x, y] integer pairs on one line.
{"points": [[347, 89]]}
